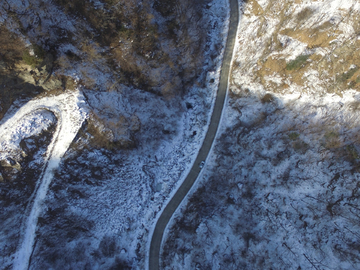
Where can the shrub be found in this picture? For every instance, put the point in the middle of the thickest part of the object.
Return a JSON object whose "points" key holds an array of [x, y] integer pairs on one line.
{"points": [[29, 59], [91, 51], [304, 14], [353, 153], [300, 146], [347, 75], [11, 47], [293, 136], [351, 84], [108, 246], [332, 140], [39, 51], [299, 62], [331, 134], [125, 33], [36, 59], [165, 7], [267, 98]]}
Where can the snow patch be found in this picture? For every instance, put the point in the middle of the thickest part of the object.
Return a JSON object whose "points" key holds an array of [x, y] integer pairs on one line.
{"points": [[69, 110]]}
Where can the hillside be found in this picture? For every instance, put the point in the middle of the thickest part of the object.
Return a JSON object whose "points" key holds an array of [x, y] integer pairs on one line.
{"points": [[281, 188], [103, 107]]}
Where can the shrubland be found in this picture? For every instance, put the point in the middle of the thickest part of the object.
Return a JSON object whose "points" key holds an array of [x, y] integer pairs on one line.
{"points": [[281, 187], [154, 46], [148, 71]]}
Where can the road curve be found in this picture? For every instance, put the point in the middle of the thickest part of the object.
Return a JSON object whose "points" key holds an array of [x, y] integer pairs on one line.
{"points": [[70, 115], [154, 251]]}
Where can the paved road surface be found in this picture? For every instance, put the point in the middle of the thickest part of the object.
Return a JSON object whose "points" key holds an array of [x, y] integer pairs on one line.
{"points": [[154, 253]]}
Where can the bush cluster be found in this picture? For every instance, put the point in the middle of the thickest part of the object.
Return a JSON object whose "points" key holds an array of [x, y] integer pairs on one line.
{"points": [[299, 62]]}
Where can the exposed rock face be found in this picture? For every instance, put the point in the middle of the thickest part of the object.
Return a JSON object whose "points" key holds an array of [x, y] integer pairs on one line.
{"points": [[41, 77], [9, 169]]}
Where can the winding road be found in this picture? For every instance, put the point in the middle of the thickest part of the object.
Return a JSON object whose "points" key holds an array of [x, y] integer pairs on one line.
{"points": [[155, 245], [70, 116]]}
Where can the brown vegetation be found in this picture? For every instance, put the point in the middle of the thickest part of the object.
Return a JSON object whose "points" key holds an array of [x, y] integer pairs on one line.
{"points": [[12, 87], [11, 48], [110, 133], [158, 58]]}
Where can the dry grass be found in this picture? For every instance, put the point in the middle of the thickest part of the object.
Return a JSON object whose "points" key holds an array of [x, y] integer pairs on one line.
{"points": [[87, 79], [333, 69], [304, 14], [312, 36], [63, 63], [91, 51], [137, 45], [114, 133], [257, 9], [11, 48]]}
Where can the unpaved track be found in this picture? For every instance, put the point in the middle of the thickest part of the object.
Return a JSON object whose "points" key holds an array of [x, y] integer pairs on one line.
{"points": [[70, 116], [154, 252]]}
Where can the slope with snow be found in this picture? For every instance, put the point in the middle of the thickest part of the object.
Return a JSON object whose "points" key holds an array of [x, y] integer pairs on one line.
{"points": [[282, 188], [103, 200], [69, 119]]}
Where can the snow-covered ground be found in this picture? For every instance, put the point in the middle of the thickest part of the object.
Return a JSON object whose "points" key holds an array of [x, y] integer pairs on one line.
{"points": [[289, 190], [101, 202], [281, 189], [31, 119]]}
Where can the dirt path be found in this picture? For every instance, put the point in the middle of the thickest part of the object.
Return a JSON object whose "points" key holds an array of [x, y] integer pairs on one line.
{"points": [[154, 252], [69, 120]]}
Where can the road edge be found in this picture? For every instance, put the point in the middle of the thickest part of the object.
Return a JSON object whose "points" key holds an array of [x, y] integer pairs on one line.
{"points": [[217, 114]]}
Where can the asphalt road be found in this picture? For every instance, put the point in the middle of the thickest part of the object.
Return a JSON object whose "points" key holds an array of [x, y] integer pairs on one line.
{"points": [[154, 253]]}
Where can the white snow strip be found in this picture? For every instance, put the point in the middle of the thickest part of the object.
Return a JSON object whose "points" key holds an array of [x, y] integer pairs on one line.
{"points": [[70, 112]]}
